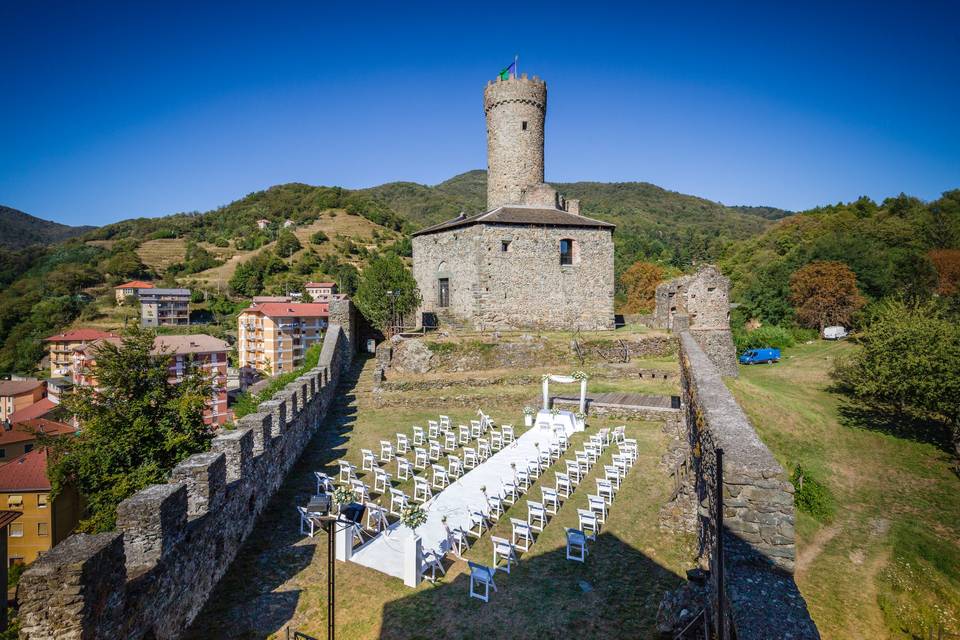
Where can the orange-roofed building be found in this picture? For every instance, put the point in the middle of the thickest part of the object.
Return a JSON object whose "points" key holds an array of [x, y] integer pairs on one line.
{"points": [[64, 344], [274, 336], [16, 395], [18, 438], [25, 488], [36, 410], [321, 290], [130, 289]]}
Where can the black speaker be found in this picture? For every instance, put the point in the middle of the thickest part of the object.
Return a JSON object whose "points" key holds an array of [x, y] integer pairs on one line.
{"points": [[353, 512]]}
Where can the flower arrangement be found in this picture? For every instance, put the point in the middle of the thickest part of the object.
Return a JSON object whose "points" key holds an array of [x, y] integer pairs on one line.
{"points": [[579, 375], [342, 495], [413, 516], [544, 377], [483, 489], [554, 412], [580, 415], [528, 411]]}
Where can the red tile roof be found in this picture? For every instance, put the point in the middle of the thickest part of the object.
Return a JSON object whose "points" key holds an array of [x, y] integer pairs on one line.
{"points": [[291, 310], [26, 473], [315, 285], [81, 335], [36, 410], [27, 430], [135, 284], [16, 387]]}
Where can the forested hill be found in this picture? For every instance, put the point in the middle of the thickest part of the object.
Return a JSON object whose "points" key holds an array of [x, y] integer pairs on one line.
{"points": [[22, 230]]}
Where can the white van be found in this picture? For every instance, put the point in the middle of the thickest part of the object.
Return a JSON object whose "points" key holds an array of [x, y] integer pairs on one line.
{"points": [[834, 333]]}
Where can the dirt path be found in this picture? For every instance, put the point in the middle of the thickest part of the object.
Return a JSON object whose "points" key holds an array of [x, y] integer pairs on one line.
{"points": [[809, 552]]}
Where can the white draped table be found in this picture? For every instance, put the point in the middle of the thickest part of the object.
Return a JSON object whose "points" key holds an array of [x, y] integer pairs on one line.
{"points": [[564, 418]]}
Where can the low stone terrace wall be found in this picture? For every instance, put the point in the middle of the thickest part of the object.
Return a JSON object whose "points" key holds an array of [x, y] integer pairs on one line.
{"points": [[174, 542], [763, 601]]}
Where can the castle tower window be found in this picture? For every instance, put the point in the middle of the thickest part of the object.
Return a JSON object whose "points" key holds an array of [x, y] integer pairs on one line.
{"points": [[443, 292], [504, 245], [568, 252], [524, 125]]}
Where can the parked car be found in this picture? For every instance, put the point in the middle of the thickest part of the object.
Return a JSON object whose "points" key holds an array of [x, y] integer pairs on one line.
{"points": [[834, 333], [759, 356]]}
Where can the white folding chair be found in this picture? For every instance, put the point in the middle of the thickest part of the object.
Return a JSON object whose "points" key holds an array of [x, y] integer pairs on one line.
{"points": [[573, 470], [376, 518], [469, 458], [449, 441], [440, 477], [533, 468], [464, 434], [551, 501], [506, 431], [605, 490], [404, 469], [367, 460], [445, 422], [599, 506], [503, 550], [419, 458], [398, 501], [360, 490], [576, 545], [509, 493], [584, 461], [348, 471], [592, 451], [612, 474], [403, 443], [307, 526], [596, 440], [432, 562], [536, 515], [457, 539], [629, 451], [555, 451], [433, 429], [588, 523], [483, 449], [418, 436], [421, 489], [619, 434], [381, 481], [482, 575], [386, 451], [324, 483], [435, 451], [622, 463], [562, 440], [521, 533], [605, 436], [478, 523], [496, 507], [496, 440], [476, 430], [544, 460], [563, 485], [522, 478], [454, 466]]}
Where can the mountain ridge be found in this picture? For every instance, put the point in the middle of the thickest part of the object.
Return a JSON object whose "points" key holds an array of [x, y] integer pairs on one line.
{"points": [[22, 229]]}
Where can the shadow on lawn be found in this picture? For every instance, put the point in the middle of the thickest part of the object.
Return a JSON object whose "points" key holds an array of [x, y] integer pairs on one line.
{"points": [[615, 594], [244, 605], [896, 423]]}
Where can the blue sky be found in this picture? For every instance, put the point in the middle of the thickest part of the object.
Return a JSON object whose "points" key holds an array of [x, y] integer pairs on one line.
{"points": [[110, 111]]}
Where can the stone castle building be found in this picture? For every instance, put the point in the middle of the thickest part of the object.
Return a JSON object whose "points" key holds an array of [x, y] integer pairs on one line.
{"points": [[531, 259], [700, 303]]}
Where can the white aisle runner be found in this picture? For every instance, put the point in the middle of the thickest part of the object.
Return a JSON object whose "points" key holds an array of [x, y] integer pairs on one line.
{"points": [[385, 551]]}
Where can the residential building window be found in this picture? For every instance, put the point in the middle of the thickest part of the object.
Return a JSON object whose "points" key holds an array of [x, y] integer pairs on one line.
{"points": [[43, 499], [42, 529], [16, 530], [15, 502], [567, 251]]}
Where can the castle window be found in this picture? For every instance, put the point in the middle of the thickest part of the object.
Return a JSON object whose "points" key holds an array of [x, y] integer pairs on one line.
{"points": [[568, 252], [524, 125], [504, 245], [443, 292]]}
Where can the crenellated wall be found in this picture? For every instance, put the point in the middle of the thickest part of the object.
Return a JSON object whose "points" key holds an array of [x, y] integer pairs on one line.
{"points": [[174, 541], [763, 601]]}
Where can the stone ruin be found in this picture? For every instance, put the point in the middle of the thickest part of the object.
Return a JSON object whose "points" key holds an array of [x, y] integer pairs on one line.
{"points": [[700, 305], [151, 577]]}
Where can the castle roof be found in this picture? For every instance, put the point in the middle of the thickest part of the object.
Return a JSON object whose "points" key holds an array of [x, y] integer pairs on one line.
{"points": [[519, 214]]}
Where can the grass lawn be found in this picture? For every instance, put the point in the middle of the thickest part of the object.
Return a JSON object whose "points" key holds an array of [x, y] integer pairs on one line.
{"points": [[887, 563], [279, 578]]}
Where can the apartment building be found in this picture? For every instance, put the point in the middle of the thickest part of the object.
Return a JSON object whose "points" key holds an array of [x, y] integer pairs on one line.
{"points": [[43, 522], [164, 307], [62, 346], [18, 438], [16, 395], [274, 336], [321, 291], [131, 288], [185, 352]]}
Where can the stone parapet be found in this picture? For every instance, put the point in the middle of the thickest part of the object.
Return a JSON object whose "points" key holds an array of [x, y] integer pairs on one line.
{"points": [[176, 540]]}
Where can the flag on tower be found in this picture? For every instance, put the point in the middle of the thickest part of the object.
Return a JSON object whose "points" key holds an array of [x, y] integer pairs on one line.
{"points": [[505, 74]]}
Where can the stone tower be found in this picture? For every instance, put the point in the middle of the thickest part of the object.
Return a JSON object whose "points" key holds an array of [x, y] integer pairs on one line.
{"points": [[516, 110]]}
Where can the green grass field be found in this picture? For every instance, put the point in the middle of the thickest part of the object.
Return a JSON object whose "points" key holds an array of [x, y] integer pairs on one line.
{"points": [[887, 563]]}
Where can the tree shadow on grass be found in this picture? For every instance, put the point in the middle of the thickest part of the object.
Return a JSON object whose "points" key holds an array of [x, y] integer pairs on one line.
{"points": [[614, 594], [244, 604], [896, 423]]}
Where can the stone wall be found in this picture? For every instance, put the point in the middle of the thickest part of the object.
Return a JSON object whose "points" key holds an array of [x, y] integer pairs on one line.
{"points": [[763, 600], [174, 541], [525, 286], [516, 110]]}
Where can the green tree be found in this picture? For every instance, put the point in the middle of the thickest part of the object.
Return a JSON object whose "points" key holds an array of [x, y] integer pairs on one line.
{"points": [[909, 363], [137, 425], [287, 244], [319, 237], [387, 291]]}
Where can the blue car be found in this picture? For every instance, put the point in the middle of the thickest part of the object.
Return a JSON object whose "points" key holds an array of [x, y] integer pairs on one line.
{"points": [[759, 356]]}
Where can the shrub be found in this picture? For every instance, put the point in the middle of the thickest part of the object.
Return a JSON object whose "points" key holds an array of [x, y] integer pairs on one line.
{"points": [[811, 496], [766, 336], [319, 237]]}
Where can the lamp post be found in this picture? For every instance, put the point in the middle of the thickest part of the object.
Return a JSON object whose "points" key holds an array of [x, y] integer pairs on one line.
{"points": [[329, 524], [393, 311]]}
